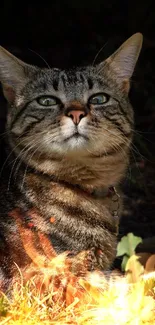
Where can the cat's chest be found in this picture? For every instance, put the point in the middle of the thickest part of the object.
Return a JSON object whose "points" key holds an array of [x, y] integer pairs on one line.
{"points": [[71, 219], [66, 208]]}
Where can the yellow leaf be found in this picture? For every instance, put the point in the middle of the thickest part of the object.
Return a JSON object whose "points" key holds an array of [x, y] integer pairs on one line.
{"points": [[134, 269]]}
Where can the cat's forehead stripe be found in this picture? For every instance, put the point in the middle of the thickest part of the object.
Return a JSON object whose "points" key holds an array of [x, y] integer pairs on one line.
{"points": [[81, 77], [69, 77], [90, 83], [55, 84]]}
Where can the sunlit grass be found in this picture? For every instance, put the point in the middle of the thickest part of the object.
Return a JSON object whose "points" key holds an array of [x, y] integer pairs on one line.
{"points": [[54, 295]]}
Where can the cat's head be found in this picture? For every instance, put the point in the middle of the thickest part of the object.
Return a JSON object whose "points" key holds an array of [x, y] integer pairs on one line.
{"points": [[84, 111]]}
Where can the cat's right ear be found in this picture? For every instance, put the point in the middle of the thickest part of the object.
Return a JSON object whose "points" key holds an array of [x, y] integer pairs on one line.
{"points": [[13, 74], [123, 61]]}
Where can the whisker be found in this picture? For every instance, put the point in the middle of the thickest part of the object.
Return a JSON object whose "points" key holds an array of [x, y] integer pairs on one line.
{"points": [[2, 135], [6, 160], [27, 165], [96, 56], [20, 156], [40, 57]]}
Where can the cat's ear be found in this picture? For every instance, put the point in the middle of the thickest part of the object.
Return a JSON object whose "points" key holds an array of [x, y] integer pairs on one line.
{"points": [[13, 74], [123, 61]]}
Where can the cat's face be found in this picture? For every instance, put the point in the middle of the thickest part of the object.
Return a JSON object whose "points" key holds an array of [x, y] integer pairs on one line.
{"points": [[70, 113]]}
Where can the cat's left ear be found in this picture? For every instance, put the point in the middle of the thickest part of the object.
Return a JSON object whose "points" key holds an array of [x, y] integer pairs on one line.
{"points": [[123, 61], [14, 74]]}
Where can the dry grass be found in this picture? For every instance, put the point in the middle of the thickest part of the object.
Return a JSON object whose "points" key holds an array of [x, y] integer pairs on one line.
{"points": [[54, 295], [58, 290]]}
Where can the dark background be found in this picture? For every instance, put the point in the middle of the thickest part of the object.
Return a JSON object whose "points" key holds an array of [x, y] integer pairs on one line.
{"points": [[68, 33]]}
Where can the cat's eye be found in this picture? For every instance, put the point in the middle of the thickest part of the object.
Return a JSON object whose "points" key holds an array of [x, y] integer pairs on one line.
{"points": [[47, 101], [99, 99]]}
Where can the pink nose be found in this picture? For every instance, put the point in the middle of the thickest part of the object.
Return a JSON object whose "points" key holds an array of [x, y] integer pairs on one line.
{"points": [[76, 116]]}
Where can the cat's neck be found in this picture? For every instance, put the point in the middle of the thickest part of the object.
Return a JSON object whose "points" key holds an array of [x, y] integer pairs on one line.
{"points": [[89, 174]]}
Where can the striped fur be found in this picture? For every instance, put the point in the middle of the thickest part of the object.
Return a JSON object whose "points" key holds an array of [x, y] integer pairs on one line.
{"points": [[55, 163]]}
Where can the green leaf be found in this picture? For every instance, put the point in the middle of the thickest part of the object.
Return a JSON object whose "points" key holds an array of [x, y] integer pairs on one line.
{"points": [[128, 244], [124, 262]]}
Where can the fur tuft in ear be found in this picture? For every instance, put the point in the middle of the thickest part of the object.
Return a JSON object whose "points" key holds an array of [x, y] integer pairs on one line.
{"points": [[123, 61], [13, 73]]}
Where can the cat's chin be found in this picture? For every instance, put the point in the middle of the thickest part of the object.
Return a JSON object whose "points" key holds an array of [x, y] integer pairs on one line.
{"points": [[69, 146], [74, 144], [76, 140]]}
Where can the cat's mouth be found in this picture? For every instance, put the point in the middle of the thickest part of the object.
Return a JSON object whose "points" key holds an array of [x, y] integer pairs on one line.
{"points": [[76, 136]]}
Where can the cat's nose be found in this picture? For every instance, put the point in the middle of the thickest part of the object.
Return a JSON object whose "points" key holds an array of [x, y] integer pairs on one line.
{"points": [[76, 115]]}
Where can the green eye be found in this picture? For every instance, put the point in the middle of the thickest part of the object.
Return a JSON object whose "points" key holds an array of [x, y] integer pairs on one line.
{"points": [[99, 99], [47, 101]]}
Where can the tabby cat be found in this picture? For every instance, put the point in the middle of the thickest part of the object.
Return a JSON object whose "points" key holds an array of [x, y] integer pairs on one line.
{"points": [[68, 137]]}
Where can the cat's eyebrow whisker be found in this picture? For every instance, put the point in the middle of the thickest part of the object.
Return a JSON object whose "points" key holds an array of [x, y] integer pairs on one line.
{"points": [[100, 50], [41, 58]]}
